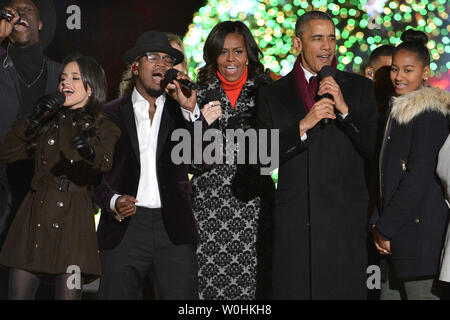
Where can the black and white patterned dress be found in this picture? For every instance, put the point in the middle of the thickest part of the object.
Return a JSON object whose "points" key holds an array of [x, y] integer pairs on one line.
{"points": [[228, 227]]}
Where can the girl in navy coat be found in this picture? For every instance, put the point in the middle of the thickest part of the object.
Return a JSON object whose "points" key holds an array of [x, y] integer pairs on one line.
{"points": [[413, 214]]}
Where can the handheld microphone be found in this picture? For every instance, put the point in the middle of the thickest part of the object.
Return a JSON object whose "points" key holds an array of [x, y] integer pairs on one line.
{"points": [[326, 71], [8, 15], [171, 75], [46, 107]]}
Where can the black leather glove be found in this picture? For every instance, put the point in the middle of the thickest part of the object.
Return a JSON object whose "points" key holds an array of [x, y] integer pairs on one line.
{"points": [[45, 109], [81, 144], [244, 184], [248, 184]]}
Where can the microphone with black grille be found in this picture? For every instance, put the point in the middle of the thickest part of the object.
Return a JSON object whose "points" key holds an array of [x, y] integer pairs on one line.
{"points": [[8, 15], [171, 75], [45, 109], [326, 71]]}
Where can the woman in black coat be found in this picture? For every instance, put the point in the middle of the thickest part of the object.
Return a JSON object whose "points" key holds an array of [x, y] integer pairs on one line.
{"points": [[226, 201], [413, 214]]}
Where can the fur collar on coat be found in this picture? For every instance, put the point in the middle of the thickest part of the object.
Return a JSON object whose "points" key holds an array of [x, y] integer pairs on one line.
{"points": [[406, 107]]}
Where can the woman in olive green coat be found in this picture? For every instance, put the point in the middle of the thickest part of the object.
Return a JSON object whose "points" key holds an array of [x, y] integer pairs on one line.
{"points": [[53, 233]]}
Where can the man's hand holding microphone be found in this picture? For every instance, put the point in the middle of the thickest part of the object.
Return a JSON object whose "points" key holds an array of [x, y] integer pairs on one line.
{"points": [[329, 98], [8, 19]]}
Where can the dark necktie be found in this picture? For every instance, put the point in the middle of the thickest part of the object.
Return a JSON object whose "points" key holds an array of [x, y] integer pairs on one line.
{"points": [[313, 85]]}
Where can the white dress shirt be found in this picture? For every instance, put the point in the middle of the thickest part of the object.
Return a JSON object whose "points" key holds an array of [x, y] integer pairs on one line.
{"points": [[308, 74], [147, 133]]}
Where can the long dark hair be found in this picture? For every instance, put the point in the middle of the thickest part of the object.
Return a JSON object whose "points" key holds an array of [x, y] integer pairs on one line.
{"points": [[214, 44], [92, 75]]}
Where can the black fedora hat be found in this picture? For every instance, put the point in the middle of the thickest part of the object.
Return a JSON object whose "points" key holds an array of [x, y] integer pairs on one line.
{"points": [[153, 41], [47, 12]]}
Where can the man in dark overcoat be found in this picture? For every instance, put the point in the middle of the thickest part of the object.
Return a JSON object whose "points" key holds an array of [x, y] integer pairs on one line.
{"points": [[320, 217], [26, 74]]}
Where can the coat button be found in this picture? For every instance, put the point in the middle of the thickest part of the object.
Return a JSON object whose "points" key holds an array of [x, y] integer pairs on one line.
{"points": [[55, 225], [36, 245], [51, 142], [403, 165], [389, 137], [60, 204], [44, 162], [417, 220], [39, 225]]}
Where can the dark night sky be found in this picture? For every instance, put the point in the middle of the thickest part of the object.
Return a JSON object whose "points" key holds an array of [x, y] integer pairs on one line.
{"points": [[110, 27]]}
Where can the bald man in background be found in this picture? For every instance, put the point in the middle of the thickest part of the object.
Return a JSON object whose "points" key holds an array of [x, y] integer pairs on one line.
{"points": [[378, 70]]}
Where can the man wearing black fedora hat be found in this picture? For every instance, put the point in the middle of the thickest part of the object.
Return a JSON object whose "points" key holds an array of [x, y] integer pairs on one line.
{"points": [[25, 75], [147, 224]]}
